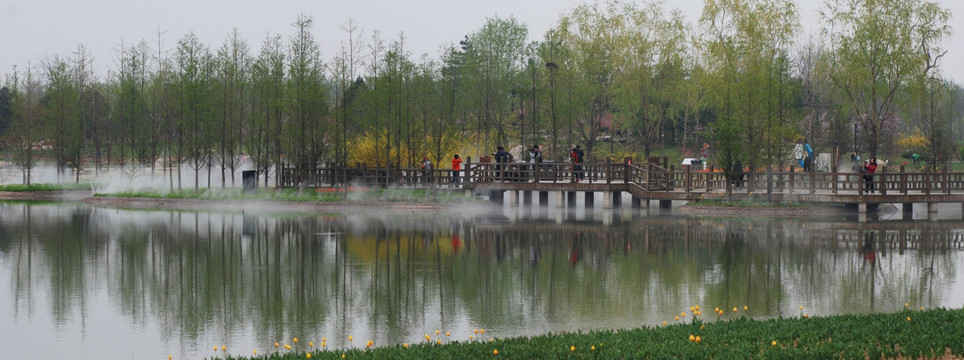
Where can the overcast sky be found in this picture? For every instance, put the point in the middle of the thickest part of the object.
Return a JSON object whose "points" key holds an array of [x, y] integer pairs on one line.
{"points": [[37, 29]]}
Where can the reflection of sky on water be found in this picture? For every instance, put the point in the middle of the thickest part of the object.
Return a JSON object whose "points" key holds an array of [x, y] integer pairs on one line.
{"points": [[117, 283]]}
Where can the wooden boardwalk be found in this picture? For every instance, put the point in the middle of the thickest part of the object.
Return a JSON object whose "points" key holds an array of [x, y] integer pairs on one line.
{"points": [[652, 182]]}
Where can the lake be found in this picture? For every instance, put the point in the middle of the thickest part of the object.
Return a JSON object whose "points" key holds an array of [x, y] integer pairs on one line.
{"points": [[95, 283]]}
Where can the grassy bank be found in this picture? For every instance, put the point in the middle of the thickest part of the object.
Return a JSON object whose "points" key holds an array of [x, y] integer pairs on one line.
{"points": [[44, 187], [314, 195], [909, 333]]}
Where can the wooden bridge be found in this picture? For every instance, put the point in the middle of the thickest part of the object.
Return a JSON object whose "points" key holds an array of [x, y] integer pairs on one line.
{"points": [[651, 182]]}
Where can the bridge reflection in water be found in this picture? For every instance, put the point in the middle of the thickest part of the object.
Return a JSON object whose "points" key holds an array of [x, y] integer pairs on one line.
{"points": [[176, 282]]}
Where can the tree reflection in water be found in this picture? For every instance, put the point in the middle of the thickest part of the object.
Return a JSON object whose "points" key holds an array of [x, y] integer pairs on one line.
{"points": [[182, 281]]}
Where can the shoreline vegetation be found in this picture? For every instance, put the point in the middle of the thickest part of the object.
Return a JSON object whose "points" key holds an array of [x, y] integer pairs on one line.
{"points": [[358, 197], [912, 334]]}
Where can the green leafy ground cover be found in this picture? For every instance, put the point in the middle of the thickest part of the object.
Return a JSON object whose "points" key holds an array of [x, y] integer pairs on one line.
{"points": [[909, 334]]}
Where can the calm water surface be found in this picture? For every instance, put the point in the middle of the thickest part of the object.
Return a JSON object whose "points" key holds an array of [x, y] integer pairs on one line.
{"points": [[92, 283]]}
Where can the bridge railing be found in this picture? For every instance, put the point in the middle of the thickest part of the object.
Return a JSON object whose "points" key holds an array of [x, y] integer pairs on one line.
{"points": [[651, 177]]}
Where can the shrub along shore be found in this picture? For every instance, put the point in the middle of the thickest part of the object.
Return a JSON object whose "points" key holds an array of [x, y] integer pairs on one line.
{"points": [[930, 334]]}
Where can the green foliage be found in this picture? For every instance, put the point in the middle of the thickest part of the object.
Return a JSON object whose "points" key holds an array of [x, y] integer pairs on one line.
{"points": [[906, 334]]}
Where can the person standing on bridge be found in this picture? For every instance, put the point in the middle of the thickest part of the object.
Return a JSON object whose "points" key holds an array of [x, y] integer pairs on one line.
{"points": [[580, 158], [456, 168], [870, 167]]}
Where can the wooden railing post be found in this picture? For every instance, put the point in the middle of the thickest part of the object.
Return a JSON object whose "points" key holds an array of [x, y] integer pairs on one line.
{"points": [[883, 181], [689, 179], [609, 171]]}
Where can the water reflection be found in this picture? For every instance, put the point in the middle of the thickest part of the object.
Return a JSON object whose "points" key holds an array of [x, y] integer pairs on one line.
{"points": [[111, 282]]}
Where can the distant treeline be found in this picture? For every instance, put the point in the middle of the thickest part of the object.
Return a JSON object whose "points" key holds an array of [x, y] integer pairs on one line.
{"points": [[741, 80]]}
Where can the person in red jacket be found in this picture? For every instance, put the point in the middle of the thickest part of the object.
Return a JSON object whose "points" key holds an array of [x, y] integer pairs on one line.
{"points": [[870, 167], [456, 169]]}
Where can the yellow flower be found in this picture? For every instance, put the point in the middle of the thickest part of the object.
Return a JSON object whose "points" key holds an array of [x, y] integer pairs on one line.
{"points": [[308, 355], [471, 337], [476, 331], [677, 318], [774, 343], [342, 356], [682, 314], [906, 304], [275, 344], [254, 352], [664, 323], [439, 341], [405, 345], [804, 316], [697, 307], [745, 308], [734, 309], [215, 348], [324, 339], [495, 352], [169, 357], [698, 339], [481, 331], [436, 332], [908, 318], [448, 334], [593, 348], [692, 338], [349, 338], [370, 343], [287, 347], [491, 339], [801, 307], [323, 344], [311, 343], [295, 340], [716, 309]]}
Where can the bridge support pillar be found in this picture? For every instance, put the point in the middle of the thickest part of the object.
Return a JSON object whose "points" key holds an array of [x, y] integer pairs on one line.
{"points": [[526, 198], [608, 199], [570, 199], [558, 199], [513, 198], [932, 211], [637, 202], [908, 211], [497, 197], [590, 199], [666, 204], [617, 198], [543, 199], [607, 218]]}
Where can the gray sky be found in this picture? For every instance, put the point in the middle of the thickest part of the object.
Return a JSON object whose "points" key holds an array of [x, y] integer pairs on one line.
{"points": [[38, 29]]}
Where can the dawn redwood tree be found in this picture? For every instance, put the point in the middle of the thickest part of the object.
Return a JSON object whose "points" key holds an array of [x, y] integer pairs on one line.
{"points": [[231, 110], [307, 107], [195, 73], [263, 129], [28, 122]]}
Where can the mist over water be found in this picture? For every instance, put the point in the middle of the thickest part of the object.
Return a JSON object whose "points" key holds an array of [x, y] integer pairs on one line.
{"points": [[80, 281], [132, 177]]}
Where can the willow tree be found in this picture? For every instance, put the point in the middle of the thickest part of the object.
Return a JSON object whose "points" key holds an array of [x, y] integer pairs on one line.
{"points": [[745, 45], [61, 100], [879, 48], [591, 38], [649, 91], [494, 56]]}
